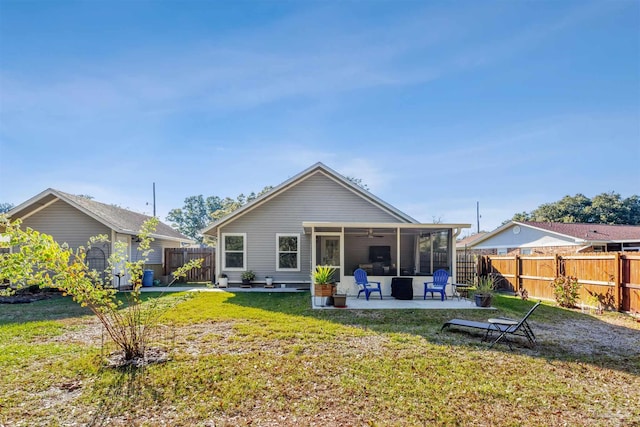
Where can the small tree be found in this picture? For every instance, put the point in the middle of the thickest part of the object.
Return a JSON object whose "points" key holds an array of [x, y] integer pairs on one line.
{"points": [[39, 260]]}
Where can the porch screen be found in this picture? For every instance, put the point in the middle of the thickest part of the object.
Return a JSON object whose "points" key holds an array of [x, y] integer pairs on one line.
{"points": [[434, 252]]}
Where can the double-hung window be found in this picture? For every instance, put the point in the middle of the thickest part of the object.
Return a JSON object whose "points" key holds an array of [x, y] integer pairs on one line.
{"points": [[288, 252], [234, 251]]}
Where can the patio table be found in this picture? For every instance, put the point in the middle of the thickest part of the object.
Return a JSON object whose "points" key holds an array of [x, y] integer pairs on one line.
{"points": [[461, 290]]}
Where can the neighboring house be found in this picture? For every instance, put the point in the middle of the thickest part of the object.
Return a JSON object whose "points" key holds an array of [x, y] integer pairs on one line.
{"points": [[527, 238], [463, 246], [319, 217], [74, 220]]}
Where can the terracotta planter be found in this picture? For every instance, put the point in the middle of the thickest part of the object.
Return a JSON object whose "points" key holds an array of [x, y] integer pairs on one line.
{"points": [[324, 289]]}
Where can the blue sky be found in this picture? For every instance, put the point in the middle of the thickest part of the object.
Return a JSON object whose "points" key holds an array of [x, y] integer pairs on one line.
{"points": [[434, 105]]}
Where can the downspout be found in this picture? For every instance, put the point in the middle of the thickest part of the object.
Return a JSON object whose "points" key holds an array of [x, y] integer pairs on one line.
{"points": [[454, 254], [313, 260], [218, 254], [342, 266]]}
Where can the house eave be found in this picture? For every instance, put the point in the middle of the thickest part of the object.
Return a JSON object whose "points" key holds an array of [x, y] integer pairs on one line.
{"points": [[308, 225]]}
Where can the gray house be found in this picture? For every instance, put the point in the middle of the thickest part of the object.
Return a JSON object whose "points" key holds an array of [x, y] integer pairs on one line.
{"points": [[319, 217], [74, 220]]}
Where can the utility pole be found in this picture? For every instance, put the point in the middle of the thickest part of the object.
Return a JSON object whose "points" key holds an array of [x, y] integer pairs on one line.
{"points": [[478, 215]]}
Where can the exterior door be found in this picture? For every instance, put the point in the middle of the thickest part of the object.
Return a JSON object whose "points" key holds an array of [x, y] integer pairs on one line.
{"points": [[329, 252]]}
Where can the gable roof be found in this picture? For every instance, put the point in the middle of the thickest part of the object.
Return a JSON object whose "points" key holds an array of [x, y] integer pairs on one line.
{"points": [[316, 168], [121, 220], [581, 233], [467, 241]]}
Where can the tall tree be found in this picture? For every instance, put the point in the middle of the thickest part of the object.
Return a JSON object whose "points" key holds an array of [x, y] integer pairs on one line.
{"points": [[5, 207], [567, 209], [230, 205], [198, 212], [609, 208], [194, 215], [605, 208]]}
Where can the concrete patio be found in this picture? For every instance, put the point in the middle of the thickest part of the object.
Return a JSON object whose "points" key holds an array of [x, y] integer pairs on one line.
{"points": [[390, 303], [353, 303]]}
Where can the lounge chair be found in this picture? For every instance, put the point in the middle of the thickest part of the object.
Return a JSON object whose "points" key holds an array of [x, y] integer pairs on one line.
{"points": [[502, 325]]}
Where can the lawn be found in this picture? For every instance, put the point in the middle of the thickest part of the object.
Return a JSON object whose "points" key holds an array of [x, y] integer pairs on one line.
{"points": [[269, 360]]}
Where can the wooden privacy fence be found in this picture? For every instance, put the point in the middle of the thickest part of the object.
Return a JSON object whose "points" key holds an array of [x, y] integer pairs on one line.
{"points": [[177, 257], [612, 278]]}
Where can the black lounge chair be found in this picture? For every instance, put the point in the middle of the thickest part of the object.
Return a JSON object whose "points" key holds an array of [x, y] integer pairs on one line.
{"points": [[502, 325]]}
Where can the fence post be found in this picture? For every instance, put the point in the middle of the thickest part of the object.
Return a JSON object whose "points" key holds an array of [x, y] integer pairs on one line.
{"points": [[516, 279], [556, 265], [617, 278]]}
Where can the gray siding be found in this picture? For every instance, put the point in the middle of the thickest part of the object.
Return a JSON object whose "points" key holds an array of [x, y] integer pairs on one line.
{"points": [[66, 224], [527, 237], [157, 256], [318, 198]]}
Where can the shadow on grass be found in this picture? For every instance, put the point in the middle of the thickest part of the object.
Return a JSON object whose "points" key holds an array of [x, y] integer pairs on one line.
{"points": [[59, 307], [126, 386], [562, 334]]}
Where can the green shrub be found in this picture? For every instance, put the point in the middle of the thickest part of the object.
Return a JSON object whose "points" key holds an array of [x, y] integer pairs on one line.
{"points": [[566, 290]]}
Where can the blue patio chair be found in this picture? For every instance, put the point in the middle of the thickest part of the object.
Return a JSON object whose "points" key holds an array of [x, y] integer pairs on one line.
{"points": [[440, 279], [366, 286]]}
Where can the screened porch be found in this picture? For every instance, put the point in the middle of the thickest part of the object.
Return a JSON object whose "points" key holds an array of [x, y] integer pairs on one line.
{"points": [[384, 251]]}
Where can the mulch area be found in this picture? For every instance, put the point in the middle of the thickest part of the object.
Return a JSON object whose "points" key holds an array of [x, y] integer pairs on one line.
{"points": [[25, 297]]}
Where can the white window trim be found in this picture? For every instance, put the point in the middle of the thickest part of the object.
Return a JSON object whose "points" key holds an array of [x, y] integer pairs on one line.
{"points": [[224, 252], [297, 236], [502, 251], [526, 251]]}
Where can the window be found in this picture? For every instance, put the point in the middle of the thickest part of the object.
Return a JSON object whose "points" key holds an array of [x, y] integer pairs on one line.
{"points": [[234, 251], [288, 252], [502, 251], [525, 251]]}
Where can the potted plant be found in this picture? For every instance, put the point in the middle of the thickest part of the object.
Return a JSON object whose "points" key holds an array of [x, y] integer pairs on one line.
{"points": [[323, 281], [268, 282], [223, 281], [485, 288], [247, 278]]}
